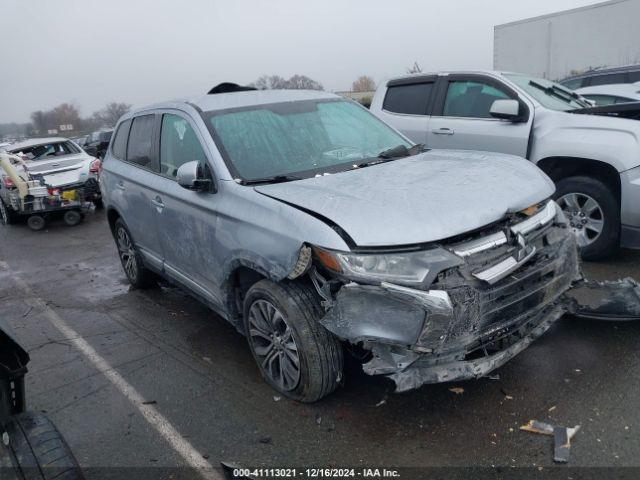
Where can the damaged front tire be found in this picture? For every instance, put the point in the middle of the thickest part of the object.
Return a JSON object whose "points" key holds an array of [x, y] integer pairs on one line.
{"points": [[296, 355]]}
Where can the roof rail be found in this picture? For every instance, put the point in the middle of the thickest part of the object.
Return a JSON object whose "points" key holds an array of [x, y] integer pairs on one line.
{"points": [[228, 87]]}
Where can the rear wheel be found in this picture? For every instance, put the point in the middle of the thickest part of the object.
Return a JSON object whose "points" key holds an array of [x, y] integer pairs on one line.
{"points": [[593, 214], [38, 450], [138, 275], [72, 217], [295, 354]]}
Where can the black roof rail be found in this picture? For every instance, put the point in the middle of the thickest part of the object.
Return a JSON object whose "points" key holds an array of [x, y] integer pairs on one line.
{"points": [[228, 87]]}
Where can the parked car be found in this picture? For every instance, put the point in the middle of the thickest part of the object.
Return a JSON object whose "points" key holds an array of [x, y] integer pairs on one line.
{"points": [[605, 76], [59, 162], [80, 141], [31, 446], [593, 157], [611, 94], [96, 143], [309, 224]]}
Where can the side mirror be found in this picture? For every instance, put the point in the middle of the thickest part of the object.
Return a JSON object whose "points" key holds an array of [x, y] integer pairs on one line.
{"points": [[506, 110], [189, 177]]}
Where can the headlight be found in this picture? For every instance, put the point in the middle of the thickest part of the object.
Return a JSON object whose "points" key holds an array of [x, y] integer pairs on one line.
{"points": [[404, 268]]}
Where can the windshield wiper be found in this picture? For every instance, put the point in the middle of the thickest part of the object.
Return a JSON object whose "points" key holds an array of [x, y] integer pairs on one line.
{"points": [[399, 151], [273, 179], [558, 92]]}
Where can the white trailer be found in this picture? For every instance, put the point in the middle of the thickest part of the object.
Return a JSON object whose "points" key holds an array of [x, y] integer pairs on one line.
{"points": [[562, 44]]}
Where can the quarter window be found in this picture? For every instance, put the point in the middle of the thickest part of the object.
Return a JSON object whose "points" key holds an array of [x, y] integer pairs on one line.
{"points": [[409, 99], [119, 148], [178, 144], [471, 99], [610, 79], [141, 141]]}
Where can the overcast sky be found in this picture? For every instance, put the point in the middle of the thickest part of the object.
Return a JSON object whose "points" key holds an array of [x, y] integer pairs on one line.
{"points": [[91, 52]]}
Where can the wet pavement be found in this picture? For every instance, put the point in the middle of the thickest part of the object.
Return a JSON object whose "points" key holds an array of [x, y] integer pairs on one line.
{"points": [[197, 372]]}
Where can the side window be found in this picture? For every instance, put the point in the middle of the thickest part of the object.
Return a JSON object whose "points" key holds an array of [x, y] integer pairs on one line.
{"points": [[609, 79], [409, 99], [470, 99], [119, 148], [178, 144], [573, 84], [140, 141]]}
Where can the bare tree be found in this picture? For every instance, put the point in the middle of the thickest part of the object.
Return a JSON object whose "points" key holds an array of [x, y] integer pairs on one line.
{"points": [[415, 68], [363, 83], [273, 82], [269, 82], [109, 115]]}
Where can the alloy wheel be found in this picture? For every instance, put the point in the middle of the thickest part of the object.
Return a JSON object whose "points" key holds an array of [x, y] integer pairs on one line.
{"points": [[127, 253], [273, 344], [585, 217]]}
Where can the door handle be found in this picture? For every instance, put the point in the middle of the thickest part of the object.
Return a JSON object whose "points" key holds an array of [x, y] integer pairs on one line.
{"points": [[157, 202], [120, 185], [442, 131]]}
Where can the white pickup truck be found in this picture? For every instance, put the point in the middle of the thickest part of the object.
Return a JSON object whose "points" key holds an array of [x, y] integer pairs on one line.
{"points": [[591, 153]]}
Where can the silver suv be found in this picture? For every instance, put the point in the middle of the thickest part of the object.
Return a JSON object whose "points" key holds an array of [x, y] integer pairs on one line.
{"points": [[314, 227]]}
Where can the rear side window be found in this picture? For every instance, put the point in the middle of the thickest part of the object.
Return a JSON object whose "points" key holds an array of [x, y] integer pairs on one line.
{"points": [[609, 79], [409, 99], [119, 148], [141, 141]]}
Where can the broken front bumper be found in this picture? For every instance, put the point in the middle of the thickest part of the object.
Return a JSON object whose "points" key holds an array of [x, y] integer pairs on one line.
{"points": [[466, 327]]}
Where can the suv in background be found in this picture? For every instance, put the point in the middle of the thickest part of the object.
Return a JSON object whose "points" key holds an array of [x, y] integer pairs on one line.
{"points": [[609, 76], [310, 224], [593, 158], [97, 143]]}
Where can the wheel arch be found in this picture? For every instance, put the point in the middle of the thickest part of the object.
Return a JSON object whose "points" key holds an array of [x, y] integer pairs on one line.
{"points": [[558, 168]]}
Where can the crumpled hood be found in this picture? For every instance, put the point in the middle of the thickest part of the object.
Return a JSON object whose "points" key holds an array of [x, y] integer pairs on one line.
{"points": [[418, 199]]}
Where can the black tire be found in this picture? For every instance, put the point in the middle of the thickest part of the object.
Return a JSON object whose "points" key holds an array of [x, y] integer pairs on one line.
{"points": [[7, 215], [72, 217], [38, 450], [140, 276], [319, 352], [36, 222], [608, 240]]}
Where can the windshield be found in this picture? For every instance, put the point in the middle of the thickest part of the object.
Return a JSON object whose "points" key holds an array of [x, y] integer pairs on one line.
{"points": [[46, 150], [299, 139], [549, 94]]}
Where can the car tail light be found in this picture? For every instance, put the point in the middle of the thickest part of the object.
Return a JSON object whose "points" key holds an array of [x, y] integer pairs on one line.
{"points": [[96, 166], [54, 192], [8, 183]]}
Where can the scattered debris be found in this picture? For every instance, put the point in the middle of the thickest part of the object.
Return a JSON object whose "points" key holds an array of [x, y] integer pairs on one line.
{"points": [[561, 437], [28, 311], [5, 439], [508, 397], [382, 402], [276, 398], [552, 409], [207, 359], [266, 440], [318, 419], [457, 390], [150, 402]]}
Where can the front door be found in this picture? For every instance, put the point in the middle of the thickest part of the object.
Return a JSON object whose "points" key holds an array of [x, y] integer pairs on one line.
{"points": [[461, 118]]}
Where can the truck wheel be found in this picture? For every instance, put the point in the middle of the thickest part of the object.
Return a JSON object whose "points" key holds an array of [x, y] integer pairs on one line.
{"points": [[72, 217], [138, 275], [593, 213], [36, 222], [7, 216], [295, 354], [38, 450]]}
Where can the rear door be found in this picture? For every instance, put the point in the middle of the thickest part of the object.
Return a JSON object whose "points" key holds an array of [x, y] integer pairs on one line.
{"points": [[461, 118], [133, 183], [407, 104]]}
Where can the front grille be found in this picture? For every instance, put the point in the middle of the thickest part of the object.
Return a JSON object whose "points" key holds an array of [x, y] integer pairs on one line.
{"points": [[483, 311]]}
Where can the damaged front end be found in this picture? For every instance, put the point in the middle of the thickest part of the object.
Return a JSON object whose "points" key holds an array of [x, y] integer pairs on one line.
{"points": [[482, 299]]}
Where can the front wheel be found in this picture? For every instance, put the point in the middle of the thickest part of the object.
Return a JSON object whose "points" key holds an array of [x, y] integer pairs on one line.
{"points": [[7, 217], [295, 354], [593, 213]]}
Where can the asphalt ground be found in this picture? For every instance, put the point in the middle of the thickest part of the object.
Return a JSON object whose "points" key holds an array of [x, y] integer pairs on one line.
{"points": [[152, 379]]}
